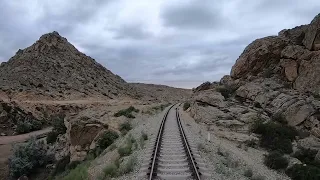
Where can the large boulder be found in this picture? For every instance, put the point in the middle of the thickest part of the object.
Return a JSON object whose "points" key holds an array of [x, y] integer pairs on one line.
{"points": [[312, 37], [210, 97], [259, 55], [82, 133], [290, 68]]}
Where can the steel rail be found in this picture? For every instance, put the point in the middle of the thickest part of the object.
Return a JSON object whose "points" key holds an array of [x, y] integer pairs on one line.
{"points": [[190, 157], [157, 146]]}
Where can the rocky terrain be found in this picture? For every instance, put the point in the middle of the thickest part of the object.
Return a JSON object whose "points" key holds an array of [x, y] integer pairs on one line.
{"points": [[276, 76]]}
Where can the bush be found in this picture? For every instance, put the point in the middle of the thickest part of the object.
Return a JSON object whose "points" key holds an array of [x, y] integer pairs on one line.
{"points": [[303, 172], [278, 117], [144, 136], [227, 91], [110, 170], [28, 157], [275, 160], [129, 165], [307, 156], [125, 127], [186, 105], [248, 173], [275, 136], [127, 112], [107, 139], [58, 128], [126, 150], [28, 125], [79, 173]]}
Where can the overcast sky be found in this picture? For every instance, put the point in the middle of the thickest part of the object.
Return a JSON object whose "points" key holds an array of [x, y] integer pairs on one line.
{"points": [[180, 43]]}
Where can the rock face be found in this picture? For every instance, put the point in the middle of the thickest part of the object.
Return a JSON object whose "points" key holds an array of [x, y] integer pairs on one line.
{"points": [[259, 55], [11, 115], [54, 68], [292, 56], [82, 133]]}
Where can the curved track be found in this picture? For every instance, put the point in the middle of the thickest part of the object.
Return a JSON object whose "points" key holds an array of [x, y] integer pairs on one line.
{"points": [[173, 157]]}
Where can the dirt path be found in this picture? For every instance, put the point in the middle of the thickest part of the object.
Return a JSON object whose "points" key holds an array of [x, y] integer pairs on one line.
{"points": [[23, 137]]}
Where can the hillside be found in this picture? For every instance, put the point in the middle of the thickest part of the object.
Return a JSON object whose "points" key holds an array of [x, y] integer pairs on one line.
{"points": [[53, 68], [151, 92]]}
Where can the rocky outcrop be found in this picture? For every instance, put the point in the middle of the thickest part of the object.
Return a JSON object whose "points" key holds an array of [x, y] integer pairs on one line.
{"points": [[82, 133], [292, 56], [12, 115], [312, 37], [259, 55]]}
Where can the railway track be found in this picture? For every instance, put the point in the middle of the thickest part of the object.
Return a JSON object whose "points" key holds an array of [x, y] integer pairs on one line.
{"points": [[173, 155]]}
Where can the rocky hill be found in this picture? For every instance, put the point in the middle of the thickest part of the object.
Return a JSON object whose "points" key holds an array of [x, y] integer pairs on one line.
{"points": [[54, 68], [153, 92]]}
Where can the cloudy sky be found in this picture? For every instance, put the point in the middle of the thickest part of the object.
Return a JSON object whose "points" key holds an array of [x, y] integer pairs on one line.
{"points": [[180, 43]]}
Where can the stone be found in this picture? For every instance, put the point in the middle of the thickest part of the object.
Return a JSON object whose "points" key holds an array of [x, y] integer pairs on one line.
{"points": [[291, 68], [210, 97], [308, 78], [259, 55], [311, 142], [293, 52], [312, 36], [294, 35], [3, 134]]}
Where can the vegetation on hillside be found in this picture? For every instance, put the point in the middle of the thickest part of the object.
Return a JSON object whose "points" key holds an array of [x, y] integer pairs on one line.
{"points": [[58, 128], [28, 157], [127, 112]]}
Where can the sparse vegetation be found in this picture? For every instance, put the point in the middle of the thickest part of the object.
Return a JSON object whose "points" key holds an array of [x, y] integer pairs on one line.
{"points": [[58, 128], [248, 173], [128, 166], [276, 160], [274, 136], [186, 105], [303, 172], [28, 157], [143, 138], [161, 107], [110, 171], [258, 177], [28, 125], [307, 156], [251, 143], [78, 173], [125, 127], [105, 141], [278, 117], [127, 112], [227, 91], [126, 149]]}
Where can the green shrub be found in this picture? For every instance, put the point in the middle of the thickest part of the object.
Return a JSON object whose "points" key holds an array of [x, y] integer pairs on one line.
{"points": [[275, 160], [303, 172], [248, 173], [307, 156], [125, 127], [52, 137], [144, 136], [129, 165], [126, 149], [275, 136], [28, 157], [58, 128], [79, 173], [278, 117], [251, 143], [110, 170], [107, 139], [127, 112], [186, 105], [28, 125], [227, 91]]}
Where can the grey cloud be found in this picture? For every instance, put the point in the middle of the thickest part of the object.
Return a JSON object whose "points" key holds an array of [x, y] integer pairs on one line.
{"points": [[193, 15], [132, 31]]}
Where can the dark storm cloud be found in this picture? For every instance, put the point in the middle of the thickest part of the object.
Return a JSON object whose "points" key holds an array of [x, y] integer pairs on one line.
{"points": [[192, 15]]}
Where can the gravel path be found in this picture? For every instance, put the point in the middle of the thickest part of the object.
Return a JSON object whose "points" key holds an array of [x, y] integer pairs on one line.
{"points": [[23, 137]]}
